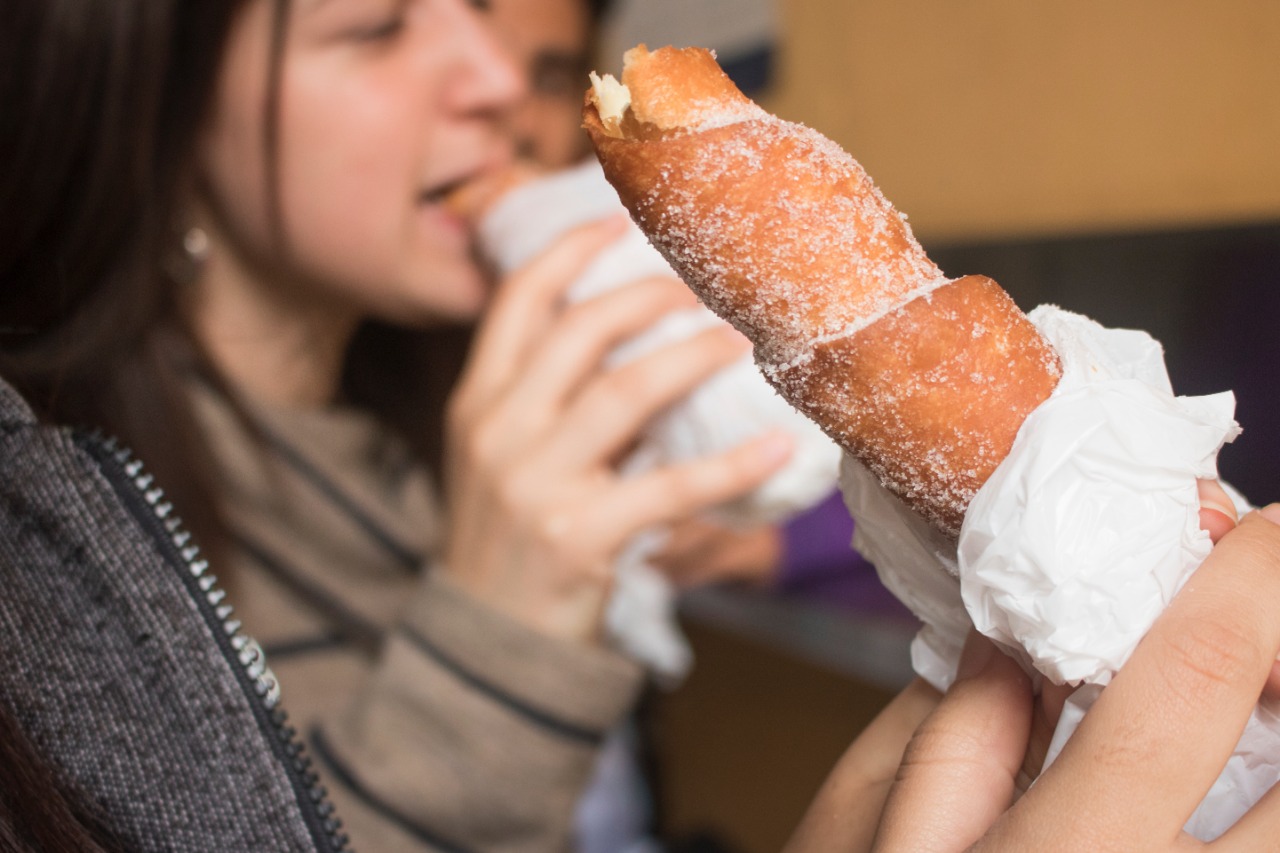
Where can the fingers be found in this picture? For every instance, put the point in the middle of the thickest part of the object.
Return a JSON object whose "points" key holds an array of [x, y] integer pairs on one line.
{"points": [[577, 342], [525, 303], [1217, 510], [1158, 736], [847, 809], [605, 417], [958, 771], [677, 492], [700, 552]]}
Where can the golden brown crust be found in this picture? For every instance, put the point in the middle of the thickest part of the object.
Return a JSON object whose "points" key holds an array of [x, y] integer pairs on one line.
{"points": [[783, 234], [786, 268], [671, 88], [930, 396]]}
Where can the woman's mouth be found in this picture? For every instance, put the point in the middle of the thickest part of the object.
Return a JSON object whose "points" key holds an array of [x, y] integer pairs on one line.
{"points": [[442, 193], [471, 197]]}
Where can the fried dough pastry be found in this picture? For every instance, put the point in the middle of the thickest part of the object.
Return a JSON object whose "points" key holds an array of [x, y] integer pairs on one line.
{"points": [[924, 379]]}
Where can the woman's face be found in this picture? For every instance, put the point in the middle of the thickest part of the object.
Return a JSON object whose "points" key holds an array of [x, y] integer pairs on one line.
{"points": [[383, 107]]}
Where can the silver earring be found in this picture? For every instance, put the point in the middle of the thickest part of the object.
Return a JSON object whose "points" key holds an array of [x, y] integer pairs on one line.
{"points": [[184, 261], [195, 245]]}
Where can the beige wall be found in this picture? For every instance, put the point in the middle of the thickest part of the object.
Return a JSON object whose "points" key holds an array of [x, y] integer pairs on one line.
{"points": [[1000, 118]]}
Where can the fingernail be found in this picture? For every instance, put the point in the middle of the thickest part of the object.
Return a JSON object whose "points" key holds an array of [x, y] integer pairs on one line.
{"points": [[1218, 506], [775, 446], [1271, 513], [978, 651]]}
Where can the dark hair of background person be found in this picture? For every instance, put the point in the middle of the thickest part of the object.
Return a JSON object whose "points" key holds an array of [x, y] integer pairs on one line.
{"points": [[103, 102], [599, 9]]}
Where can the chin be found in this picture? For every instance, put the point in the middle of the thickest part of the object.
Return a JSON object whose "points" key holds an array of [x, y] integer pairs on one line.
{"points": [[454, 300]]}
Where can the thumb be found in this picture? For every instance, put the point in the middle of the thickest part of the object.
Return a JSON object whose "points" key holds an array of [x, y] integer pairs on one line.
{"points": [[958, 773]]}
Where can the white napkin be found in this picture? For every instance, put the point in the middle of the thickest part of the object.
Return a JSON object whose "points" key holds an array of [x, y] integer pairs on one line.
{"points": [[731, 407], [1078, 541]]}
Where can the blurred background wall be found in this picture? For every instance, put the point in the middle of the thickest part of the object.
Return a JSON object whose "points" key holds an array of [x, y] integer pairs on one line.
{"points": [[999, 118], [1119, 159]]}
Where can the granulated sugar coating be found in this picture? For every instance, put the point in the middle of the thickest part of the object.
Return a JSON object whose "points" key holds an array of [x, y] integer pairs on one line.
{"points": [[775, 270], [782, 233]]}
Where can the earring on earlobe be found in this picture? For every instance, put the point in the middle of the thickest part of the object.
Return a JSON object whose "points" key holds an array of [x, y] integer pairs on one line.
{"points": [[195, 245], [184, 263]]}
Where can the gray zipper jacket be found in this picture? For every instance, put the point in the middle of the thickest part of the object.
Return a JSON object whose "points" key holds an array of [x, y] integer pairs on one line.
{"points": [[124, 665]]}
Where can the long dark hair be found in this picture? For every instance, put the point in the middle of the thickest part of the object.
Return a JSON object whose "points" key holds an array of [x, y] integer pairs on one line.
{"points": [[101, 102], [101, 105]]}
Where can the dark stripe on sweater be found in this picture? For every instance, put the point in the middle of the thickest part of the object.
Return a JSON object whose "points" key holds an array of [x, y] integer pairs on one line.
{"points": [[563, 728], [303, 646], [352, 626], [410, 559], [339, 771]]}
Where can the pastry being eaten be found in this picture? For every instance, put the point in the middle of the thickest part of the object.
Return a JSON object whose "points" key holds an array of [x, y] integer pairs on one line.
{"points": [[924, 379]]}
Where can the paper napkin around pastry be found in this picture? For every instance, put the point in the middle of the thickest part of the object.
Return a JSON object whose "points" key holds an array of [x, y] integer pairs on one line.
{"points": [[1078, 541]]}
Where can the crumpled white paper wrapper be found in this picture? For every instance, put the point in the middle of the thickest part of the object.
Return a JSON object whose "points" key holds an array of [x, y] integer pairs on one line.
{"points": [[734, 405], [1079, 539]]}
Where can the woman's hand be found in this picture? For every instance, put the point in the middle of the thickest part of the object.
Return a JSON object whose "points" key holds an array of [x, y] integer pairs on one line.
{"points": [[700, 551], [1141, 760], [538, 511]]}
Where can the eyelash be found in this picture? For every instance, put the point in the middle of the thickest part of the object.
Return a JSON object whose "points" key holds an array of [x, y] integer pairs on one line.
{"points": [[383, 31]]}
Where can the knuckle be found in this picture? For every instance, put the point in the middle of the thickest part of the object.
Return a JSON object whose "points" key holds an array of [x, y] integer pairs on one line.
{"points": [[579, 563], [1130, 747], [1210, 654], [619, 390], [555, 529], [674, 483], [584, 321], [687, 488], [480, 443], [935, 745]]}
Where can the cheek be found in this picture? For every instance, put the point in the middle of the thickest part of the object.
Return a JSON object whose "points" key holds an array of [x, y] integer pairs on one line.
{"points": [[347, 158], [353, 151], [334, 197], [354, 225]]}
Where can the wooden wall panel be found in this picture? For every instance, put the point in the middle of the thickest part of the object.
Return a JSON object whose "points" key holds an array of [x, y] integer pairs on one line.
{"points": [[989, 119]]}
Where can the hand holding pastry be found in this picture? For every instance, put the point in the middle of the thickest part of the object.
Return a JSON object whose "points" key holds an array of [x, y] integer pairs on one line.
{"points": [[538, 509], [1131, 775]]}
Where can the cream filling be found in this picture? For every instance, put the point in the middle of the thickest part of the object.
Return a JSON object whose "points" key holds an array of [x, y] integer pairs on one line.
{"points": [[611, 99]]}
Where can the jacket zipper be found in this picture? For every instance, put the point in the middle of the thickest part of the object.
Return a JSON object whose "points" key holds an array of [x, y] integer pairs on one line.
{"points": [[145, 501]]}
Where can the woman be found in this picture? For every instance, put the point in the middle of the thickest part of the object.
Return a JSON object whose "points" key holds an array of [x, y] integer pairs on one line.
{"points": [[120, 119], [209, 202]]}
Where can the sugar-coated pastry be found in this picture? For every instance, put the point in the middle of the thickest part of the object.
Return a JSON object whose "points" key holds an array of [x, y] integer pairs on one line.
{"points": [[924, 379]]}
